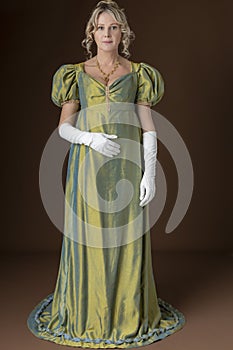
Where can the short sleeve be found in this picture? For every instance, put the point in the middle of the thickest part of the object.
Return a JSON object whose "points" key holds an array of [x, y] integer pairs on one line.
{"points": [[64, 85], [150, 85]]}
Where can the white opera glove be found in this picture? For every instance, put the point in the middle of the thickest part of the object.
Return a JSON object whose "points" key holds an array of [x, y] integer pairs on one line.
{"points": [[96, 140], [147, 185]]}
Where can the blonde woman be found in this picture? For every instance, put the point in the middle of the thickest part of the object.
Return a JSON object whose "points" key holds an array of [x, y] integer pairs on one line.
{"points": [[105, 295]]}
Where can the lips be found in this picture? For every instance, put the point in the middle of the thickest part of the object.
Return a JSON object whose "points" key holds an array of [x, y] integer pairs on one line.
{"points": [[107, 42]]}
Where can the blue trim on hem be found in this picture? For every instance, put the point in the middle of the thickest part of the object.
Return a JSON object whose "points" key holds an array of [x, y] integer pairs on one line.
{"points": [[159, 332]]}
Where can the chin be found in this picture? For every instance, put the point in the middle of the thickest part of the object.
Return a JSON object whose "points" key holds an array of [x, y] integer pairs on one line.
{"points": [[109, 49]]}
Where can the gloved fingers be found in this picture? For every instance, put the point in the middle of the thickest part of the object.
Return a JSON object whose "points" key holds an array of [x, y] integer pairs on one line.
{"points": [[148, 197], [110, 136], [153, 192], [105, 152], [142, 189], [112, 148], [99, 137], [103, 141], [101, 148], [145, 199], [113, 144], [147, 189]]}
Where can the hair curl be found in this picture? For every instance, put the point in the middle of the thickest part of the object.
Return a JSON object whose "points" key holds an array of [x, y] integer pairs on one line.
{"points": [[113, 9]]}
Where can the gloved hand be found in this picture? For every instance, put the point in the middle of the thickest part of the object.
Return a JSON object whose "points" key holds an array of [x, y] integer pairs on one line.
{"points": [[147, 185], [96, 140]]}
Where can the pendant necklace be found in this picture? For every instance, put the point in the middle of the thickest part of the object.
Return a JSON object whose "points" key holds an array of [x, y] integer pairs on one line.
{"points": [[106, 79]]}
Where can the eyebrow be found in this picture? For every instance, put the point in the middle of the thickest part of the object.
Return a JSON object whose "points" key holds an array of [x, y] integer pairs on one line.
{"points": [[110, 23]]}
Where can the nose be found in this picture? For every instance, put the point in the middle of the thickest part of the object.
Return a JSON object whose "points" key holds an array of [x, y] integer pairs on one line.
{"points": [[106, 34]]}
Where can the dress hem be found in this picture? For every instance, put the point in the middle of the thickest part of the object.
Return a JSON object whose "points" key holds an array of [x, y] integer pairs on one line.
{"points": [[159, 333]]}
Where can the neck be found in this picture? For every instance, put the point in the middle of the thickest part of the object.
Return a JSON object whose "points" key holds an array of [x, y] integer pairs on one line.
{"points": [[107, 58]]}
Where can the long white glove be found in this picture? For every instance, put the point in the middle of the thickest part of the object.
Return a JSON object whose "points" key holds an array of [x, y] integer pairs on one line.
{"points": [[147, 185], [96, 140]]}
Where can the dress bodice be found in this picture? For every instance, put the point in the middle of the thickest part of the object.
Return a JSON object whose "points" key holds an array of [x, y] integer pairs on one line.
{"points": [[144, 84]]}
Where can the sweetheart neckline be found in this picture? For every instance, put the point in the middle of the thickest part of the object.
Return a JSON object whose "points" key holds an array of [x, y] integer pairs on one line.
{"points": [[109, 86]]}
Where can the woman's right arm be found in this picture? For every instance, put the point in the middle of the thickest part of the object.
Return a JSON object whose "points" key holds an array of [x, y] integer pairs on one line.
{"points": [[98, 141], [69, 113]]}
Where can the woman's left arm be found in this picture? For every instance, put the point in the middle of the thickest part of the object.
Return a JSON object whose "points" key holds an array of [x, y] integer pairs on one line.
{"points": [[144, 113], [149, 137]]}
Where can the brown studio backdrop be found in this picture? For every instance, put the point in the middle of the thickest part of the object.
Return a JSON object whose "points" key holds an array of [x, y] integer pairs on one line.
{"points": [[190, 44]]}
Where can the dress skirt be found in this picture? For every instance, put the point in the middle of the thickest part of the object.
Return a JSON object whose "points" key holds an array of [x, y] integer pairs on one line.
{"points": [[105, 295]]}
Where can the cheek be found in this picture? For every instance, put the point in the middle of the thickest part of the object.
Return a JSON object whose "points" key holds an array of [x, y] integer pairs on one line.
{"points": [[96, 36], [119, 36]]}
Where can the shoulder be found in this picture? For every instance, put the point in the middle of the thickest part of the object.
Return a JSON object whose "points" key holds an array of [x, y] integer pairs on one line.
{"points": [[148, 73], [141, 67], [64, 84], [150, 84], [67, 69]]}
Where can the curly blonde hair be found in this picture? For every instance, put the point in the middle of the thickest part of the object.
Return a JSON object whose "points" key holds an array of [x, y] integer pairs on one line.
{"points": [[113, 9]]}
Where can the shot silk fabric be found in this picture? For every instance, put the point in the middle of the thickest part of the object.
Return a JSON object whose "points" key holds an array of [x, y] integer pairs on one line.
{"points": [[105, 295]]}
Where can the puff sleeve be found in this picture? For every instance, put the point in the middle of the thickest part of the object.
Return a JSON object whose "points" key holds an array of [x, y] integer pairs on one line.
{"points": [[64, 85], [150, 85]]}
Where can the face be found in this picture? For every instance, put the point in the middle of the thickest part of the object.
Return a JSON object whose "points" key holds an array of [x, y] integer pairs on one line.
{"points": [[108, 33]]}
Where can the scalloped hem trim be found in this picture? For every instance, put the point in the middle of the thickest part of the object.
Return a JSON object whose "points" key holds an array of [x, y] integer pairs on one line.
{"points": [[41, 331]]}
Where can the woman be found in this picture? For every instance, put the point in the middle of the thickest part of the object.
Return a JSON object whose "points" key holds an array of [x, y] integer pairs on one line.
{"points": [[105, 295]]}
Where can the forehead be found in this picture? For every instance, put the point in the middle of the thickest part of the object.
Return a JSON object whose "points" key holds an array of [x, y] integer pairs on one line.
{"points": [[106, 18]]}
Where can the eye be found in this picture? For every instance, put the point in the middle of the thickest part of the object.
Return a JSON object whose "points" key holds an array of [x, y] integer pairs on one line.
{"points": [[100, 27], [114, 27]]}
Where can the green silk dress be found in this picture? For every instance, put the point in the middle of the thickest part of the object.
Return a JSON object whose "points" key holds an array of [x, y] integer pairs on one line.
{"points": [[105, 295]]}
